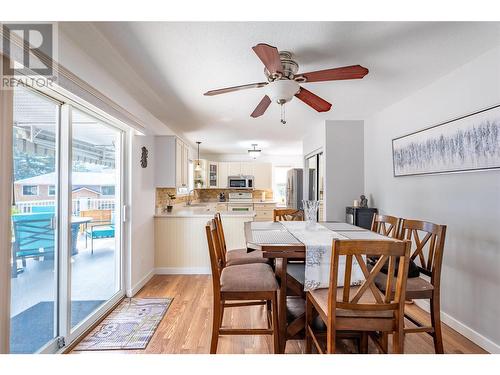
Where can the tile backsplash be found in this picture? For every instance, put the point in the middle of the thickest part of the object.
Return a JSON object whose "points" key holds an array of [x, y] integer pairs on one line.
{"points": [[203, 195]]}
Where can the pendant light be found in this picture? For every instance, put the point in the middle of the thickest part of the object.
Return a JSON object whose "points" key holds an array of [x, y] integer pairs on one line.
{"points": [[254, 153], [198, 166]]}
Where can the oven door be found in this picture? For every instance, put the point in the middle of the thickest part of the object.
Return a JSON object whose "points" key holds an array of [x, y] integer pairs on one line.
{"points": [[237, 183]]}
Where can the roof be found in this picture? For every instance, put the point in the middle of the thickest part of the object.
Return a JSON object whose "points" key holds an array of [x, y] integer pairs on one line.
{"points": [[86, 188], [77, 179]]}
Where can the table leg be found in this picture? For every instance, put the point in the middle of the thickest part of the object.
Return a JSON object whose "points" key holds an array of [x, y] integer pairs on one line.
{"points": [[281, 272]]}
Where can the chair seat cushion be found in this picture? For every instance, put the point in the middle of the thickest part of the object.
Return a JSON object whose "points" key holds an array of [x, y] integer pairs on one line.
{"points": [[256, 277], [321, 298], [297, 271], [241, 256], [416, 287]]}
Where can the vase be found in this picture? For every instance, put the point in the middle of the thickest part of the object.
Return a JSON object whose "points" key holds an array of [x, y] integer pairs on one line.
{"points": [[310, 210]]}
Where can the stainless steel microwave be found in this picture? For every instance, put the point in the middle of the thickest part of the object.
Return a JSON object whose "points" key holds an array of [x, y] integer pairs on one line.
{"points": [[240, 182]]}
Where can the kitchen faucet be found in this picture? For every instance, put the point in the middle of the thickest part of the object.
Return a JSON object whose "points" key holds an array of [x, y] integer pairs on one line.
{"points": [[189, 198]]}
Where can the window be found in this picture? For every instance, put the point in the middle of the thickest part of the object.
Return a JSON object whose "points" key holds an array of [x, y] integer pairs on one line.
{"points": [[52, 190], [108, 190], [279, 183], [30, 190]]}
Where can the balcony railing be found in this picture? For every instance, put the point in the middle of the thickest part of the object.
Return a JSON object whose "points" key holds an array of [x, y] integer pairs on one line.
{"points": [[77, 205]]}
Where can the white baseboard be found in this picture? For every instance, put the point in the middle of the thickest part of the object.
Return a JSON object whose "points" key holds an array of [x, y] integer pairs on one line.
{"points": [[183, 271], [132, 291], [464, 330]]}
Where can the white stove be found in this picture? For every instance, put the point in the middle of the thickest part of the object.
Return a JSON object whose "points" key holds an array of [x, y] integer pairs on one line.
{"points": [[241, 201]]}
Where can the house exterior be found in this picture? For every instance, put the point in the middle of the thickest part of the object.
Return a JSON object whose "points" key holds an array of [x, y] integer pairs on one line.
{"points": [[85, 185]]}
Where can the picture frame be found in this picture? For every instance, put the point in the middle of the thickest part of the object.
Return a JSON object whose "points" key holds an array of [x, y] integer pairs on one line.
{"points": [[463, 144]]}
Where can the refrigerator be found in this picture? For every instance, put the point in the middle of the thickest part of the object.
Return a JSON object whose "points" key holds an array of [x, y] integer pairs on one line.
{"points": [[294, 188]]}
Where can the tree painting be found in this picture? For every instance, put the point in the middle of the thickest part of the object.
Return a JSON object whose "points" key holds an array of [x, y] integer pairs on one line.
{"points": [[469, 143]]}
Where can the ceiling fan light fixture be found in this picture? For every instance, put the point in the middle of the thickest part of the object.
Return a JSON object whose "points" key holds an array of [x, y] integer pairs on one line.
{"points": [[254, 153], [282, 91]]}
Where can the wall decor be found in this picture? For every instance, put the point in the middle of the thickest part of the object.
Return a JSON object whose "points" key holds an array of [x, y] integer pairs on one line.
{"points": [[467, 143], [144, 157]]}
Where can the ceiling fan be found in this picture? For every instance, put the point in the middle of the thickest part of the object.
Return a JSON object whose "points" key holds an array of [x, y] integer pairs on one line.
{"points": [[283, 82]]}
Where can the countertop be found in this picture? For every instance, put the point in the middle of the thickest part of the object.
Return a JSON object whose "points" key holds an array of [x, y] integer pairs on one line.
{"points": [[202, 212]]}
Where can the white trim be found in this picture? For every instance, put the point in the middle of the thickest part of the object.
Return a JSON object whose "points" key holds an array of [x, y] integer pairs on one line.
{"points": [[183, 271], [6, 119], [138, 286], [464, 330]]}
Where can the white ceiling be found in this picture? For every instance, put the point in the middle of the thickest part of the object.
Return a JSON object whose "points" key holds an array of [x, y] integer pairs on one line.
{"points": [[168, 66]]}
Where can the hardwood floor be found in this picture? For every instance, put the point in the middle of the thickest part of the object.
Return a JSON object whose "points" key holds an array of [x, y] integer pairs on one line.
{"points": [[186, 327]]}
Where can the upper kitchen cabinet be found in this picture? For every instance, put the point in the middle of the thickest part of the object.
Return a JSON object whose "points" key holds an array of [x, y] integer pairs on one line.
{"points": [[222, 174], [172, 163], [234, 168], [263, 173], [213, 174]]}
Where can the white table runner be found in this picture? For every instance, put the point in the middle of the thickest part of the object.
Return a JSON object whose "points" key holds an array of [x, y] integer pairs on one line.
{"points": [[318, 242]]}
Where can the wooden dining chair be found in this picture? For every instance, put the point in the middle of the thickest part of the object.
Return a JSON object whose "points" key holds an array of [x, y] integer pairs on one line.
{"points": [[362, 308], [288, 214], [235, 256], [386, 225], [245, 285], [427, 253]]}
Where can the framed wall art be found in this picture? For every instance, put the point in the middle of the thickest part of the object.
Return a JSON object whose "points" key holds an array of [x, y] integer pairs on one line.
{"points": [[467, 143]]}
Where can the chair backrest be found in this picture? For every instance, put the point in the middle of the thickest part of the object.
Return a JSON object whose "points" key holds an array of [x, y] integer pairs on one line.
{"points": [[97, 215], [33, 231], [386, 225], [288, 214], [216, 263], [427, 246], [221, 237], [352, 297], [43, 209]]}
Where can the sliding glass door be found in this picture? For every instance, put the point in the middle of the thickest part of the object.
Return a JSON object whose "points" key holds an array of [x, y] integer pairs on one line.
{"points": [[66, 221], [96, 193], [35, 251]]}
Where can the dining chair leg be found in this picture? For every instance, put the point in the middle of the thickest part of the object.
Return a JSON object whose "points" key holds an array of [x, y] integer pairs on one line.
{"points": [[276, 327], [436, 324], [363, 344], [309, 313], [216, 323], [384, 342], [398, 339]]}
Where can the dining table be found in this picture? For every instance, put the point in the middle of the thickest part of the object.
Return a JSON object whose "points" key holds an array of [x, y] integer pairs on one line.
{"points": [[284, 242]]}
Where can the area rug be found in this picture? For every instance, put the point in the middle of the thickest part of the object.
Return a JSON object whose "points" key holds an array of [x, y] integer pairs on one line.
{"points": [[130, 326]]}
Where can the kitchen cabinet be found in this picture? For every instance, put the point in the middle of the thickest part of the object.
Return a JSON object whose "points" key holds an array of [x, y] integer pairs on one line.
{"points": [[264, 211], [223, 174], [212, 174], [234, 168], [247, 168], [263, 173], [172, 162]]}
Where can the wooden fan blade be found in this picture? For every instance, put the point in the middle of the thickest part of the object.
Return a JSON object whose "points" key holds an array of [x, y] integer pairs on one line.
{"points": [[261, 107], [269, 56], [346, 72], [235, 88], [313, 100]]}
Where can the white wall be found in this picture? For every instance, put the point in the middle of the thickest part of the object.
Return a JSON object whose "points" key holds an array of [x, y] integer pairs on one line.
{"points": [[468, 203], [142, 195], [344, 166], [140, 259]]}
